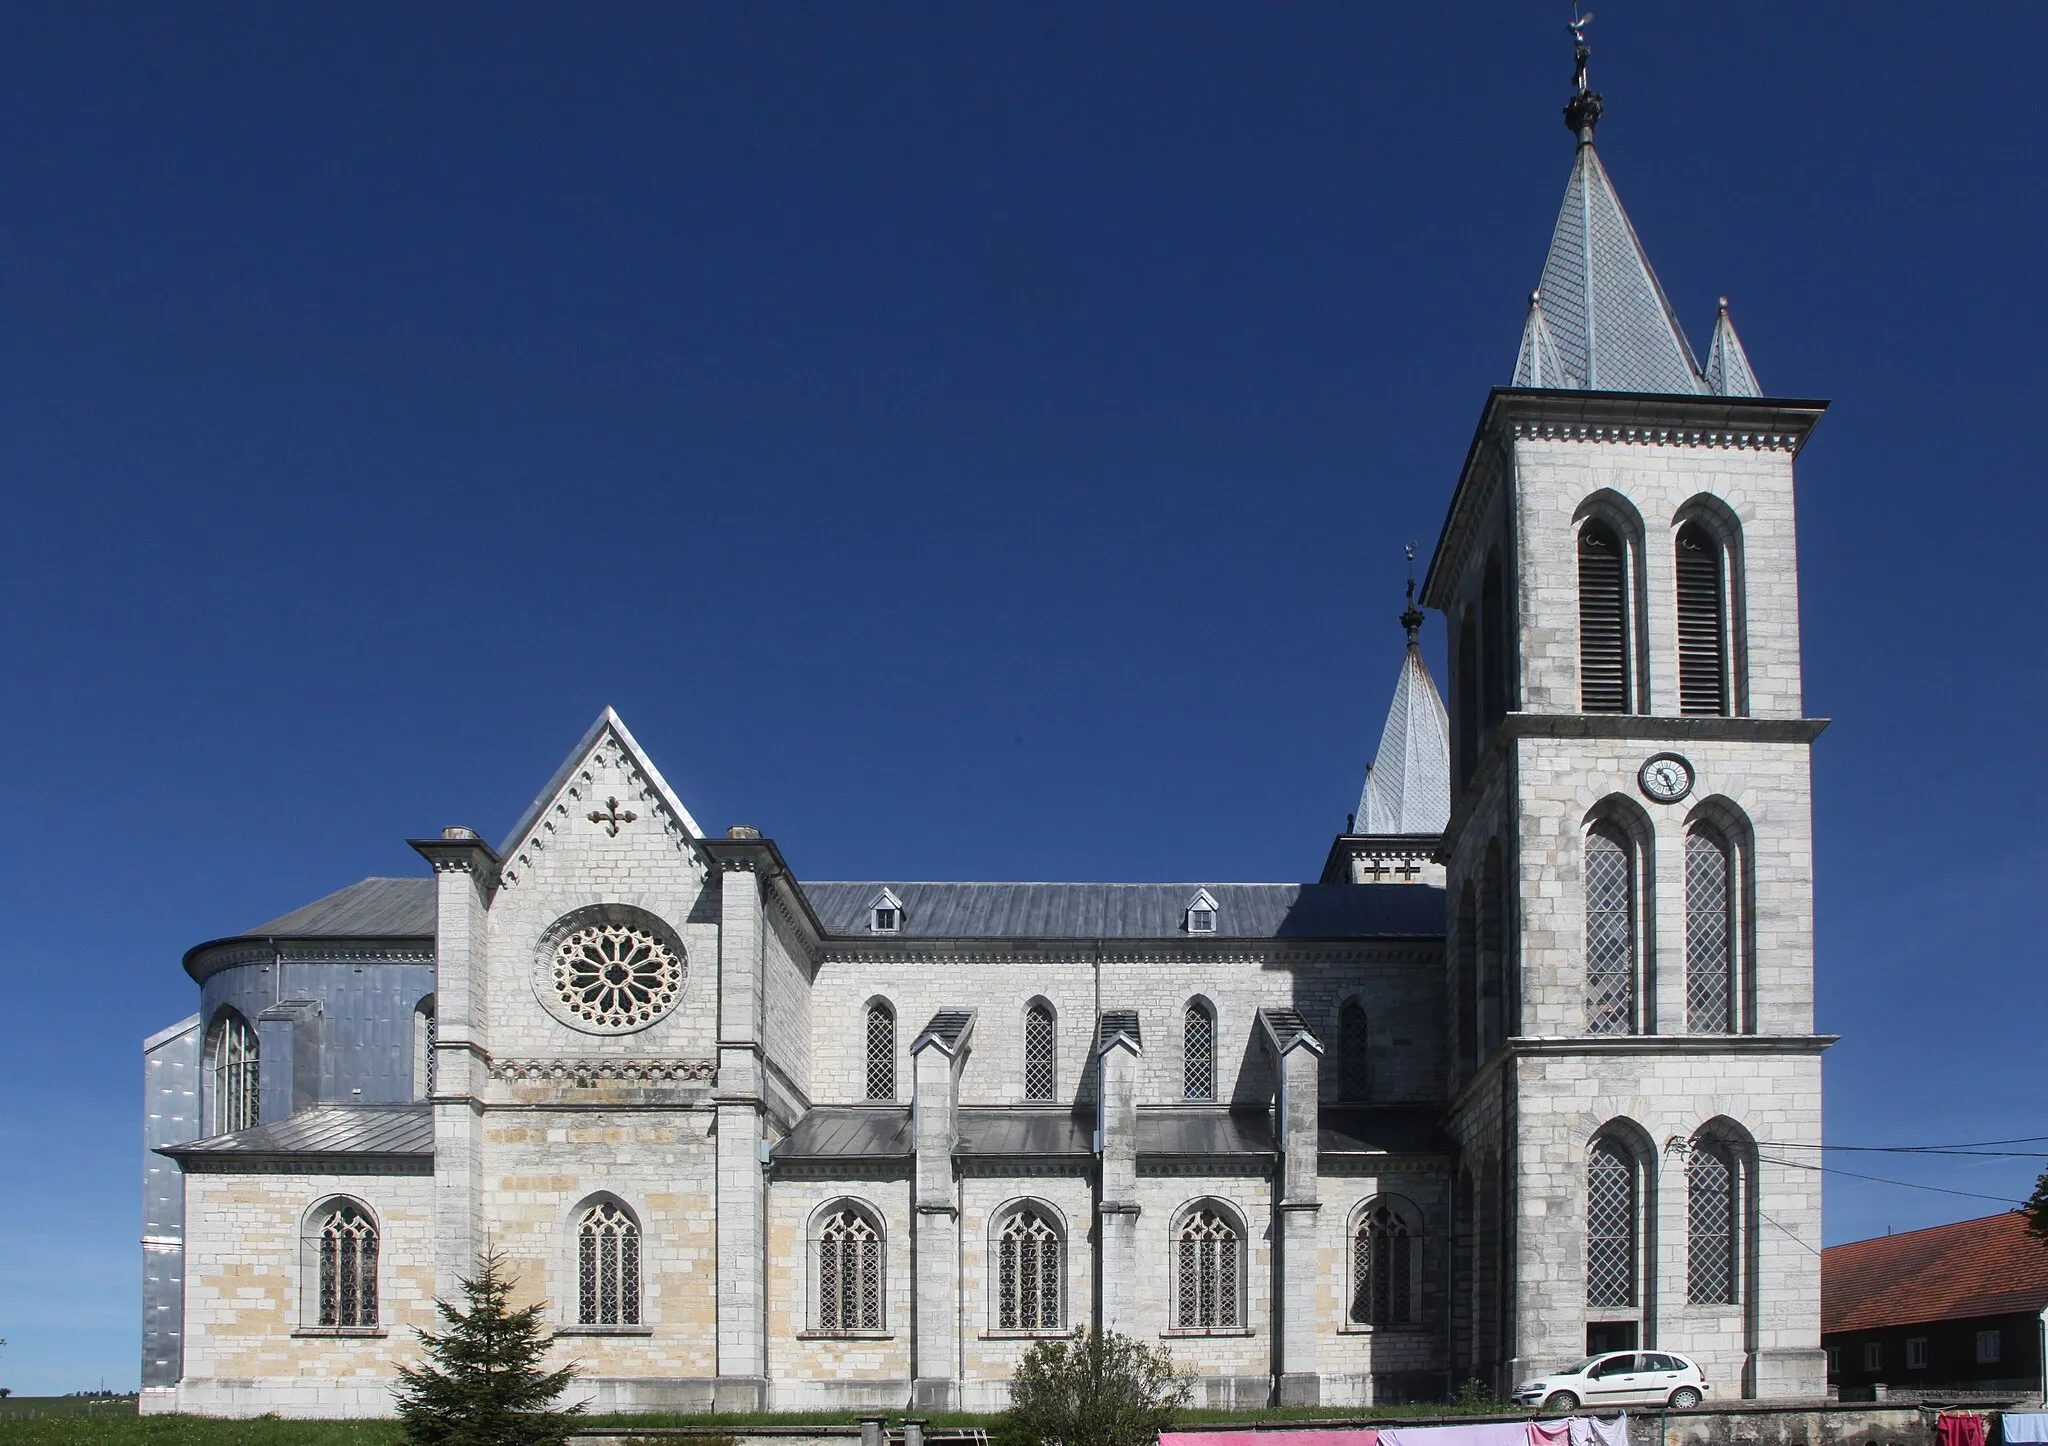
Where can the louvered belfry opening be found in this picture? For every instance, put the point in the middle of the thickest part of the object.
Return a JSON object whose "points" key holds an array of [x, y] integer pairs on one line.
{"points": [[1702, 623], [1603, 621]]}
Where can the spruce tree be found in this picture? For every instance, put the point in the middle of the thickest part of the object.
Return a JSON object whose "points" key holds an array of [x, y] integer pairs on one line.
{"points": [[481, 1384]]}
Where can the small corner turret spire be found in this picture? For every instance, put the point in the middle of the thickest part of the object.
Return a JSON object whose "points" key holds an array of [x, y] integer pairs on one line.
{"points": [[1582, 111], [1411, 616]]}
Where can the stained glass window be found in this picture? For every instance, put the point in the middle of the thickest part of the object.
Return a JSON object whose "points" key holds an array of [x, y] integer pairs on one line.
{"points": [[849, 1273], [1028, 1282], [348, 1268], [1209, 1265], [1382, 1257], [608, 1266]]}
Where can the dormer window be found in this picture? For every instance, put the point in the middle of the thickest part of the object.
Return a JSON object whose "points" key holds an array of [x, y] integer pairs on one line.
{"points": [[885, 914], [1201, 913]]}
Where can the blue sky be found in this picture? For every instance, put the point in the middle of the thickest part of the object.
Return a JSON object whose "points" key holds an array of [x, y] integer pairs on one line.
{"points": [[964, 443]]}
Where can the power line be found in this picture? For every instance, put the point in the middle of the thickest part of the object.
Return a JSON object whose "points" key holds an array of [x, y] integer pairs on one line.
{"points": [[1788, 1230], [1882, 1180], [1916, 1149]]}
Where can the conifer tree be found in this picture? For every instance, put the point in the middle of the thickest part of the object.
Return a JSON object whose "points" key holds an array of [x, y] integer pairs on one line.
{"points": [[481, 1384]]}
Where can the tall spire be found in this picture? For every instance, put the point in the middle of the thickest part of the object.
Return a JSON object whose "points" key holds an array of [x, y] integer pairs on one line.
{"points": [[1408, 786], [1729, 373], [1603, 310]]}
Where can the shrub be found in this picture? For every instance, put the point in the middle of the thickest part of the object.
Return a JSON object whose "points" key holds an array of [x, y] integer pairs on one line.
{"points": [[482, 1384], [1098, 1388]]}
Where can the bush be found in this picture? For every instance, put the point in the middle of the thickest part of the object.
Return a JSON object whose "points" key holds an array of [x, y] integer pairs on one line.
{"points": [[1098, 1388], [482, 1384]]}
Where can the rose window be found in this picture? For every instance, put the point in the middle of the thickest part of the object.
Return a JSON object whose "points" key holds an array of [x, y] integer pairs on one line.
{"points": [[616, 976]]}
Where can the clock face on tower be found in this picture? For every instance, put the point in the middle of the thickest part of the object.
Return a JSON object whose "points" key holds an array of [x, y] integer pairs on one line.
{"points": [[1666, 778]]}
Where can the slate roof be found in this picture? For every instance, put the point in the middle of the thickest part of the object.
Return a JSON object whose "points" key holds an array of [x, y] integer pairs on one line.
{"points": [[1135, 911], [1408, 785], [386, 1131], [1947, 1272], [372, 909], [1603, 317]]}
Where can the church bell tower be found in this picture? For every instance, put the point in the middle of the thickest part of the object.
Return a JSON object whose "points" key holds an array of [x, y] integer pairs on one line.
{"points": [[1629, 971]]}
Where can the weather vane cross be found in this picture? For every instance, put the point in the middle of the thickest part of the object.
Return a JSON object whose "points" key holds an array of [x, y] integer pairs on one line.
{"points": [[1582, 111]]}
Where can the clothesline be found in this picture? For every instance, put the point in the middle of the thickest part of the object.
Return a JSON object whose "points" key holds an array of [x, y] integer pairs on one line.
{"points": [[1564, 1431]]}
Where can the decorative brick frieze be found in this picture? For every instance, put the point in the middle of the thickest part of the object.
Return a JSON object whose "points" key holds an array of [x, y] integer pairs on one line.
{"points": [[623, 1068]]}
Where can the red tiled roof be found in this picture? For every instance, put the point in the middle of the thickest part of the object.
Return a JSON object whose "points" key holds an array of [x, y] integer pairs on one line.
{"points": [[1947, 1272]]}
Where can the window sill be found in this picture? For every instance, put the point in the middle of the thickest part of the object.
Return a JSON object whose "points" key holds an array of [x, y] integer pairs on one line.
{"points": [[1192, 1331], [604, 1330], [1060, 1334], [341, 1332], [846, 1335]]}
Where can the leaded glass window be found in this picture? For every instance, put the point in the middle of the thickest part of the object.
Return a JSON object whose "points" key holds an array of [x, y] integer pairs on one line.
{"points": [[608, 1266], [1709, 939], [1610, 1226], [423, 1036], [1039, 1039], [1209, 1269], [1198, 1053], [1354, 1065], [348, 1268], [1610, 934], [1382, 1257], [1028, 1289], [236, 1076], [849, 1272], [1710, 1225], [881, 1052]]}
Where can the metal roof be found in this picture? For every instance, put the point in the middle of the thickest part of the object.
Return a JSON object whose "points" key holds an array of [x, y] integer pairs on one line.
{"points": [[1386, 1130], [878, 1132], [1178, 1130], [372, 909], [1135, 911], [1025, 1132], [1408, 786], [1603, 312], [947, 1028], [357, 1130], [1728, 371], [1114, 1024], [832, 1132], [1288, 1026]]}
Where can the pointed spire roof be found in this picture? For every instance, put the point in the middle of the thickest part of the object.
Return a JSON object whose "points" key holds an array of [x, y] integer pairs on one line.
{"points": [[1728, 371], [1408, 785], [1536, 365], [1606, 312]]}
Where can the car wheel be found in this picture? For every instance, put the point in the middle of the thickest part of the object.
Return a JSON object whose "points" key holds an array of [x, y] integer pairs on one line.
{"points": [[1560, 1403], [1684, 1398]]}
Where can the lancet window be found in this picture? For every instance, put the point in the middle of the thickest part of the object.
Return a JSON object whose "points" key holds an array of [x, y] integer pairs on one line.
{"points": [[234, 1076], [1610, 932], [881, 1079], [1029, 1286], [1610, 1226], [347, 1245], [1208, 1272], [1709, 934], [1354, 1065], [1702, 622], [1382, 1266], [849, 1254], [1604, 632], [1710, 1204], [1040, 1039], [608, 1266], [1198, 1052]]}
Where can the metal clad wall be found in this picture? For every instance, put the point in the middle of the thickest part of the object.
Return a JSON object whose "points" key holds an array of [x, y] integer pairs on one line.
{"points": [[170, 1084], [365, 1023]]}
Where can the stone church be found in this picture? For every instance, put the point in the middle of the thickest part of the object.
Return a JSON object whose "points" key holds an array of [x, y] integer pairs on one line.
{"points": [[1506, 1084]]}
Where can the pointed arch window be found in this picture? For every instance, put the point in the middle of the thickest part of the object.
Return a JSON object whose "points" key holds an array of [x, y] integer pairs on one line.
{"points": [[1198, 1052], [849, 1255], [608, 1266], [1354, 1065], [424, 1035], [1040, 1047], [1709, 934], [1604, 631], [1383, 1261], [1208, 1272], [881, 1072], [1465, 989], [1610, 1226], [344, 1266], [1610, 932], [1702, 622], [234, 1076], [1710, 1217], [1030, 1293]]}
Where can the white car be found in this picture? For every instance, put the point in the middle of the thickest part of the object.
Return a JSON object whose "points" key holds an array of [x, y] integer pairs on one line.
{"points": [[1618, 1378]]}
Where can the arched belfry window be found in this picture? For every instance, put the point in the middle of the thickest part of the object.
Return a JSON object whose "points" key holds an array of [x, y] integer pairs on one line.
{"points": [[1040, 1050], [341, 1259], [1208, 1267], [1030, 1289], [1604, 633], [1711, 1196], [1611, 950], [234, 1078], [608, 1266], [1710, 994], [881, 1072], [1354, 1065], [1702, 622], [1198, 1051], [847, 1245], [1384, 1257], [1611, 1207]]}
